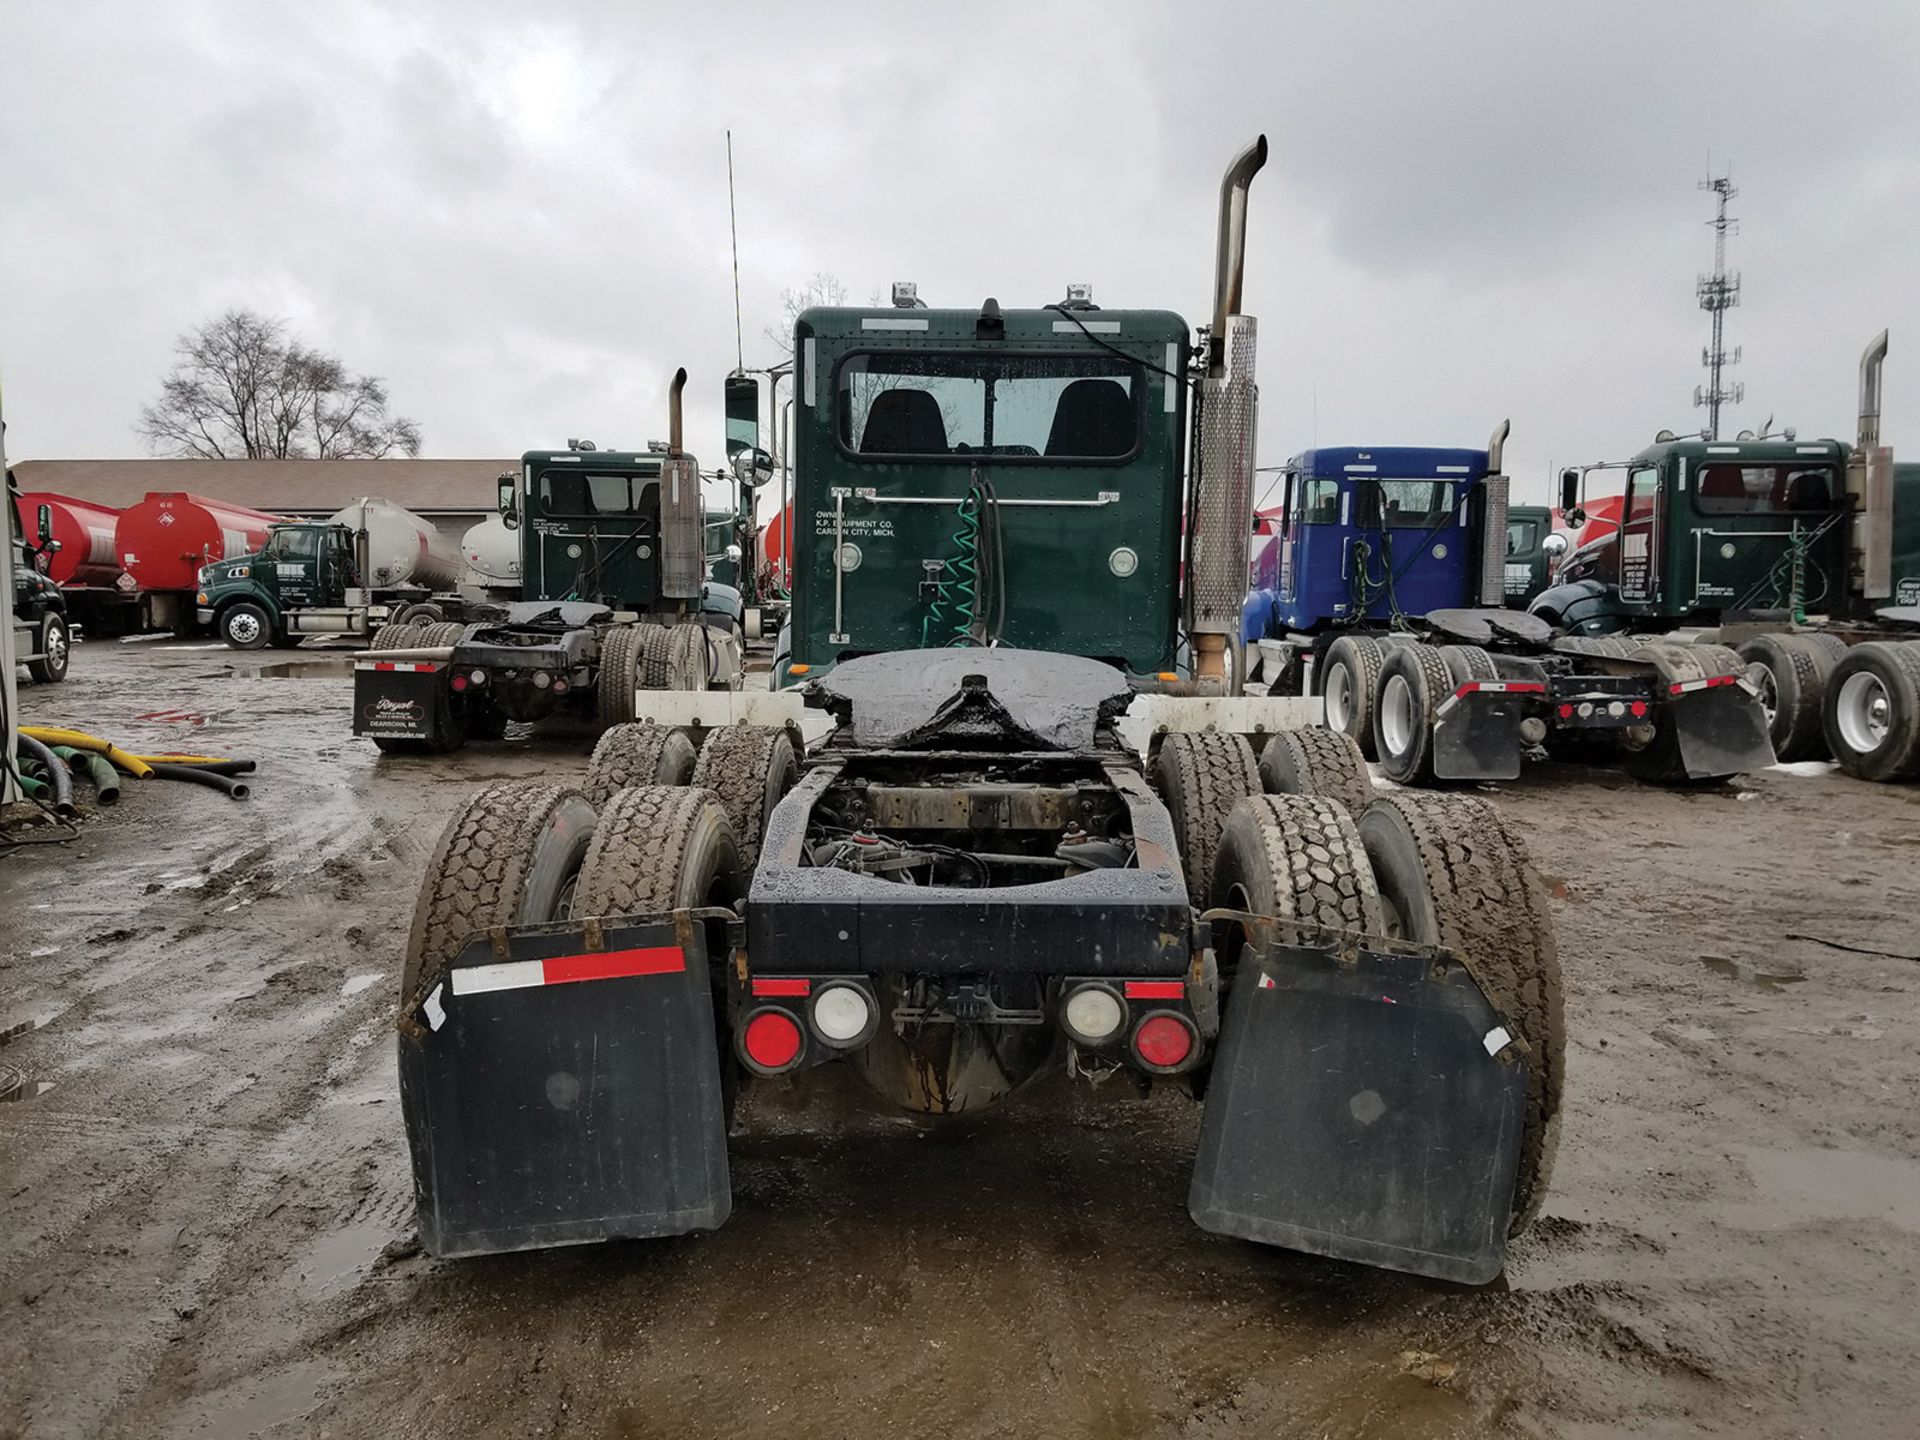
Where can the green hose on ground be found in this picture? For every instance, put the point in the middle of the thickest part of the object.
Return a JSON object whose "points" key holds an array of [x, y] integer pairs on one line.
{"points": [[99, 771], [80, 740], [55, 769]]}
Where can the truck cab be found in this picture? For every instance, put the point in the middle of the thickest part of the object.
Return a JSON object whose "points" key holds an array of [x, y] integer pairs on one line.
{"points": [[1711, 531], [1373, 533], [302, 566], [41, 635], [990, 477]]}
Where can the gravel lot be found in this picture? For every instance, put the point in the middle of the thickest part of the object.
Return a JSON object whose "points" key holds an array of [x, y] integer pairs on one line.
{"points": [[205, 1212]]}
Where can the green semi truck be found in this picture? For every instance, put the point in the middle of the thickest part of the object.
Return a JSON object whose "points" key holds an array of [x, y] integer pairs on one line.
{"points": [[1804, 555], [1005, 817], [616, 599]]}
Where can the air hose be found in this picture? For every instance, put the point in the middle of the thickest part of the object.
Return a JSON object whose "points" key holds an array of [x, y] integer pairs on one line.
{"points": [[238, 789], [100, 771], [966, 569], [58, 775], [80, 740]]}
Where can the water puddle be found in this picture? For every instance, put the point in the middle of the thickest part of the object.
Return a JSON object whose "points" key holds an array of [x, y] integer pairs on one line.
{"points": [[332, 668], [354, 984], [1811, 1183], [1771, 982], [261, 1405], [342, 1258], [15, 1086]]}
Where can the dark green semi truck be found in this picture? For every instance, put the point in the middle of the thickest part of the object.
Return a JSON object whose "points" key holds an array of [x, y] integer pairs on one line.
{"points": [[616, 600], [1005, 818], [1804, 555], [42, 636]]}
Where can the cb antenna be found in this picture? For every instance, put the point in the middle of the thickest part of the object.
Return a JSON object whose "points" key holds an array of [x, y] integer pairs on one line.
{"points": [[733, 225]]}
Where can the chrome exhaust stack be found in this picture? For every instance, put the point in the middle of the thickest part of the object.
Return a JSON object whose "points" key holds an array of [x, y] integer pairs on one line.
{"points": [[1228, 413], [1870, 485], [1494, 494], [676, 433], [683, 558]]}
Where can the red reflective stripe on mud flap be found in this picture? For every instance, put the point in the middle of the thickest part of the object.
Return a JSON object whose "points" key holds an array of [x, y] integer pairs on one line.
{"points": [[769, 986], [614, 964], [1156, 989]]}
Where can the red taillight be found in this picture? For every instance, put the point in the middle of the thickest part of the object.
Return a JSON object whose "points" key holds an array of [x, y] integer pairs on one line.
{"points": [[459, 682], [1163, 1041], [771, 1040], [1639, 708], [1566, 712]]}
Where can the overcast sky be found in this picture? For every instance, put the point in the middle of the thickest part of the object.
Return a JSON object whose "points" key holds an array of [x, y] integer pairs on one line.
{"points": [[517, 214]]}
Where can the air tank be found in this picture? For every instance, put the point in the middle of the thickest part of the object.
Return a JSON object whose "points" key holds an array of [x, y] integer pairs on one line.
{"points": [[164, 540], [402, 549], [492, 555], [85, 533]]}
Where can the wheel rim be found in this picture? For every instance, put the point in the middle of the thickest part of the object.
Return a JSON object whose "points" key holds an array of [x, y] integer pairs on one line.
{"points": [[1396, 714], [243, 627], [1769, 690], [1864, 711], [1339, 697], [56, 647]]}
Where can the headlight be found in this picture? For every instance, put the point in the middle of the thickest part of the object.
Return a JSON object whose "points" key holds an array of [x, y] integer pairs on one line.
{"points": [[204, 574], [239, 572]]}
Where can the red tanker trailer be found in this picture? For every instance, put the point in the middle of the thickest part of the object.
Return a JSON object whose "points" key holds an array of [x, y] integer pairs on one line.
{"points": [[85, 533], [164, 540]]}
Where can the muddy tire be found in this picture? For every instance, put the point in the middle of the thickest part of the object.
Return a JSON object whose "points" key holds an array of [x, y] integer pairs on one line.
{"points": [[509, 856], [689, 661], [750, 767], [1413, 684], [1675, 664], [1349, 680], [659, 848], [423, 613], [1830, 646], [619, 676], [1201, 776], [1295, 857], [443, 632], [1317, 761], [1872, 710], [1450, 873], [393, 636], [1468, 662], [642, 753], [654, 645], [1791, 689]]}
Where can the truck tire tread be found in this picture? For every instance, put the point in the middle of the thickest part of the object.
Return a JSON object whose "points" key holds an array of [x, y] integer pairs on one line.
{"points": [[1202, 775], [1799, 684], [619, 675], [651, 851], [1317, 761], [749, 767], [1427, 677], [1363, 656], [1488, 905], [1896, 665], [637, 753]]}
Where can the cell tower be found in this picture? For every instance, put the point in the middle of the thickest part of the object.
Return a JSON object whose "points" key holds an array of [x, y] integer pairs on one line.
{"points": [[1719, 293]]}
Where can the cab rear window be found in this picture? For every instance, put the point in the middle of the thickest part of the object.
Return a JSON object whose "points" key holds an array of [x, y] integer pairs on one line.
{"points": [[1743, 488]]}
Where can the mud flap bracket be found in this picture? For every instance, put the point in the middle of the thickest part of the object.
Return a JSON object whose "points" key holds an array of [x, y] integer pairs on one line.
{"points": [[1367, 1107], [568, 1092]]}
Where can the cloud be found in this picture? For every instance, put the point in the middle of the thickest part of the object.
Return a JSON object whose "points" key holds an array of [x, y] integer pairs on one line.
{"points": [[519, 218]]}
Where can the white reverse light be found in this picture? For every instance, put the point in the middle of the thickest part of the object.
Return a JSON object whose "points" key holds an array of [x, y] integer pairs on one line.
{"points": [[1094, 1014], [841, 1014]]}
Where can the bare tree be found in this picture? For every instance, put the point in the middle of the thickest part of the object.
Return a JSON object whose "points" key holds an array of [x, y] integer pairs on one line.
{"points": [[822, 289], [240, 389]]}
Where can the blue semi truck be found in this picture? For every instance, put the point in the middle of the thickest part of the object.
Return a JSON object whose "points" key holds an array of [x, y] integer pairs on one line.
{"points": [[1397, 567]]}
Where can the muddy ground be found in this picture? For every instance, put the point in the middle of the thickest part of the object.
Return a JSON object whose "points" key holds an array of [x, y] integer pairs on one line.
{"points": [[205, 1210]]}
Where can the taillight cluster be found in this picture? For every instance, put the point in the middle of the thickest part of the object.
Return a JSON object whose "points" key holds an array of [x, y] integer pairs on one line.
{"points": [[1149, 1016], [788, 1014]]}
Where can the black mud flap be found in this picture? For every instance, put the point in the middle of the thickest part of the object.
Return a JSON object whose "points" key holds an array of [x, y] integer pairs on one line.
{"points": [[567, 1092], [400, 700], [1719, 732], [1477, 737], [1369, 1111]]}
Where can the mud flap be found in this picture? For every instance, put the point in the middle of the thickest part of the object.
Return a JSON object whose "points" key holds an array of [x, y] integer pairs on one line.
{"points": [[566, 1092], [1720, 731], [1477, 737], [1367, 1111], [399, 700]]}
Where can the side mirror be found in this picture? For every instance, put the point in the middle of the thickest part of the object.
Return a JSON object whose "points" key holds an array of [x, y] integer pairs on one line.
{"points": [[733, 553], [1569, 490], [510, 501], [46, 523], [752, 467], [1555, 545]]}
